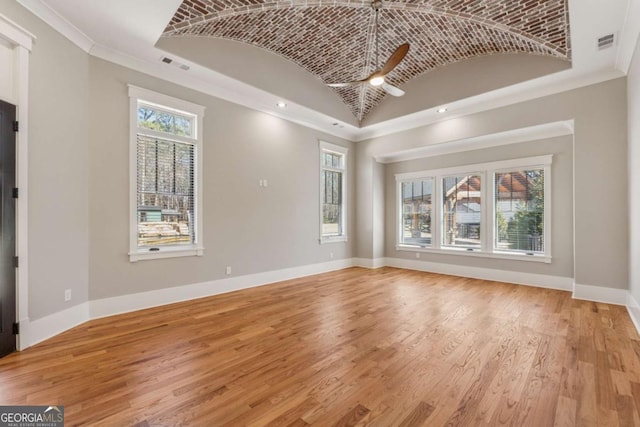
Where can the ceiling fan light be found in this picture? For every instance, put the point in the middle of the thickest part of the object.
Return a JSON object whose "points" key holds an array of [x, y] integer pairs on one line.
{"points": [[376, 81]]}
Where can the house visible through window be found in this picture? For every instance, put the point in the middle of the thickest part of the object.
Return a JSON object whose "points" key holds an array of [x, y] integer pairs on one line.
{"points": [[166, 192], [333, 161], [497, 209], [462, 211], [166, 197], [416, 212]]}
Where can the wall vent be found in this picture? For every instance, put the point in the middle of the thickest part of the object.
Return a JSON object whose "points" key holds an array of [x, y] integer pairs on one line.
{"points": [[605, 42]]}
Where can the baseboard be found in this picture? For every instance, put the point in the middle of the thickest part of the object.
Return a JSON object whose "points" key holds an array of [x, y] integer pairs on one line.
{"points": [[530, 279], [634, 311], [46, 327], [369, 262], [41, 329], [600, 294], [131, 302]]}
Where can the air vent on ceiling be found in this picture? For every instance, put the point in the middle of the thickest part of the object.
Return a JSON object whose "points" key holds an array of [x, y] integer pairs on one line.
{"points": [[175, 63], [605, 42]]}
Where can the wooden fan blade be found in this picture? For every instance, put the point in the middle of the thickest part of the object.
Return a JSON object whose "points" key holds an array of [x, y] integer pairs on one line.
{"points": [[394, 60], [392, 90]]}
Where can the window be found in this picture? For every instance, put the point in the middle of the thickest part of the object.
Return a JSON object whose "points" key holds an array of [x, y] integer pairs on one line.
{"points": [[416, 212], [519, 210], [166, 139], [461, 211], [333, 189], [499, 209]]}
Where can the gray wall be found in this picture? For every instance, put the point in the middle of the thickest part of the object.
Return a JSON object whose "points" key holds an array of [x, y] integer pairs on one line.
{"points": [[600, 171], [57, 163], [561, 203], [246, 227], [633, 99]]}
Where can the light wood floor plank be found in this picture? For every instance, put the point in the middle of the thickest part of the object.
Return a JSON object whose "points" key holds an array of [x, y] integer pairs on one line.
{"points": [[356, 347]]}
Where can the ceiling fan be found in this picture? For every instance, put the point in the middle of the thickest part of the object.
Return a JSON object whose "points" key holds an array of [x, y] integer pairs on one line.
{"points": [[377, 77]]}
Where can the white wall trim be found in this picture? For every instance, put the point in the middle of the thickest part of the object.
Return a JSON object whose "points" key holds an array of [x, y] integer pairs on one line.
{"points": [[126, 303], [46, 327], [600, 294], [634, 311], [628, 36], [369, 263], [60, 24], [516, 277], [15, 34], [515, 136], [21, 40]]}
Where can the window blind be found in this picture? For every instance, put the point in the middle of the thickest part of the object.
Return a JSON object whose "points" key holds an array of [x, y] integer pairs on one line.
{"points": [[165, 192]]}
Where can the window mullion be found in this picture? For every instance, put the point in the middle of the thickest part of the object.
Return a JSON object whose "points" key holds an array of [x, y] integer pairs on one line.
{"points": [[487, 222], [436, 226]]}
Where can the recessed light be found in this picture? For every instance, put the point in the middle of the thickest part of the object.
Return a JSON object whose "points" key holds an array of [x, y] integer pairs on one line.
{"points": [[281, 104], [442, 110]]}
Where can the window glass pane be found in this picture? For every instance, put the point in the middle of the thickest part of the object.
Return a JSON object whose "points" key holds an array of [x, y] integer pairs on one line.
{"points": [[332, 160], [519, 210], [461, 211], [331, 203], [147, 118], [165, 192], [183, 126], [416, 212], [164, 121]]}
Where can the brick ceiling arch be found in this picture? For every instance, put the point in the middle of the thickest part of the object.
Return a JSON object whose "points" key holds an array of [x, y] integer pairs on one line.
{"points": [[333, 39]]}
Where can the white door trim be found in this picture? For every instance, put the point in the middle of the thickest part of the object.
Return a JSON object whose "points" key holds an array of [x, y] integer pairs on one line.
{"points": [[21, 41]]}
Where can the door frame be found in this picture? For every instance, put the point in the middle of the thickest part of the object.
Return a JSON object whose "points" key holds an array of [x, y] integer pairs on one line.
{"points": [[21, 42]]}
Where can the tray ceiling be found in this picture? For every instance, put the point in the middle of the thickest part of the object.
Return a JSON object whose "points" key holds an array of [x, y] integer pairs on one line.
{"points": [[334, 40]]}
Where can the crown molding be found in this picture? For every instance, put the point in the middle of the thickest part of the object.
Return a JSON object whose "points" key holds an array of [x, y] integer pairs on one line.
{"points": [[516, 136], [58, 23], [628, 36], [223, 87], [218, 85]]}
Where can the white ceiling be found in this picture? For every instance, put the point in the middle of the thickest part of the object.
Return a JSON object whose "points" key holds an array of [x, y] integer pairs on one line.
{"points": [[125, 32]]}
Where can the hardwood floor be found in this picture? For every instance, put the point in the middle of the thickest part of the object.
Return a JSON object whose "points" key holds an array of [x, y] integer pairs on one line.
{"points": [[383, 347]]}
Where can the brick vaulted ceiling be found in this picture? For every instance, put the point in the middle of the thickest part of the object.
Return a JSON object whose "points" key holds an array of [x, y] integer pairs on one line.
{"points": [[334, 39]]}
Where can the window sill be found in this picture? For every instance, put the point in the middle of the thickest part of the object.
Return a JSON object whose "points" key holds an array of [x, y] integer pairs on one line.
{"points": [[477, 253], [143, 255], [332, 239]]}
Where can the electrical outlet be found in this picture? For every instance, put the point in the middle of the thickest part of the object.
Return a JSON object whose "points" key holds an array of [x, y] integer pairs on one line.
{"points": [[227, 270], [417, 254], [331, 255], [67, 294]]}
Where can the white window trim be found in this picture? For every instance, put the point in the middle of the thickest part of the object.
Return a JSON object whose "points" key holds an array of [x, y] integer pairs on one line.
{"points": [[137, 94], [326, 146], [487, 172], [435, 231]]}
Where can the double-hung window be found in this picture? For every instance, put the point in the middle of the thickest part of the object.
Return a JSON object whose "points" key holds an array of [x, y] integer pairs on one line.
{"points": [[333, 190], [417, 209], [498, 209], [520, 210], [165, 183], [462, 211]]}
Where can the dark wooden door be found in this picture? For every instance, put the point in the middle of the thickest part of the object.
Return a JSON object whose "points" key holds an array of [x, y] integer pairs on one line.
{"points": [[7, 228]]}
